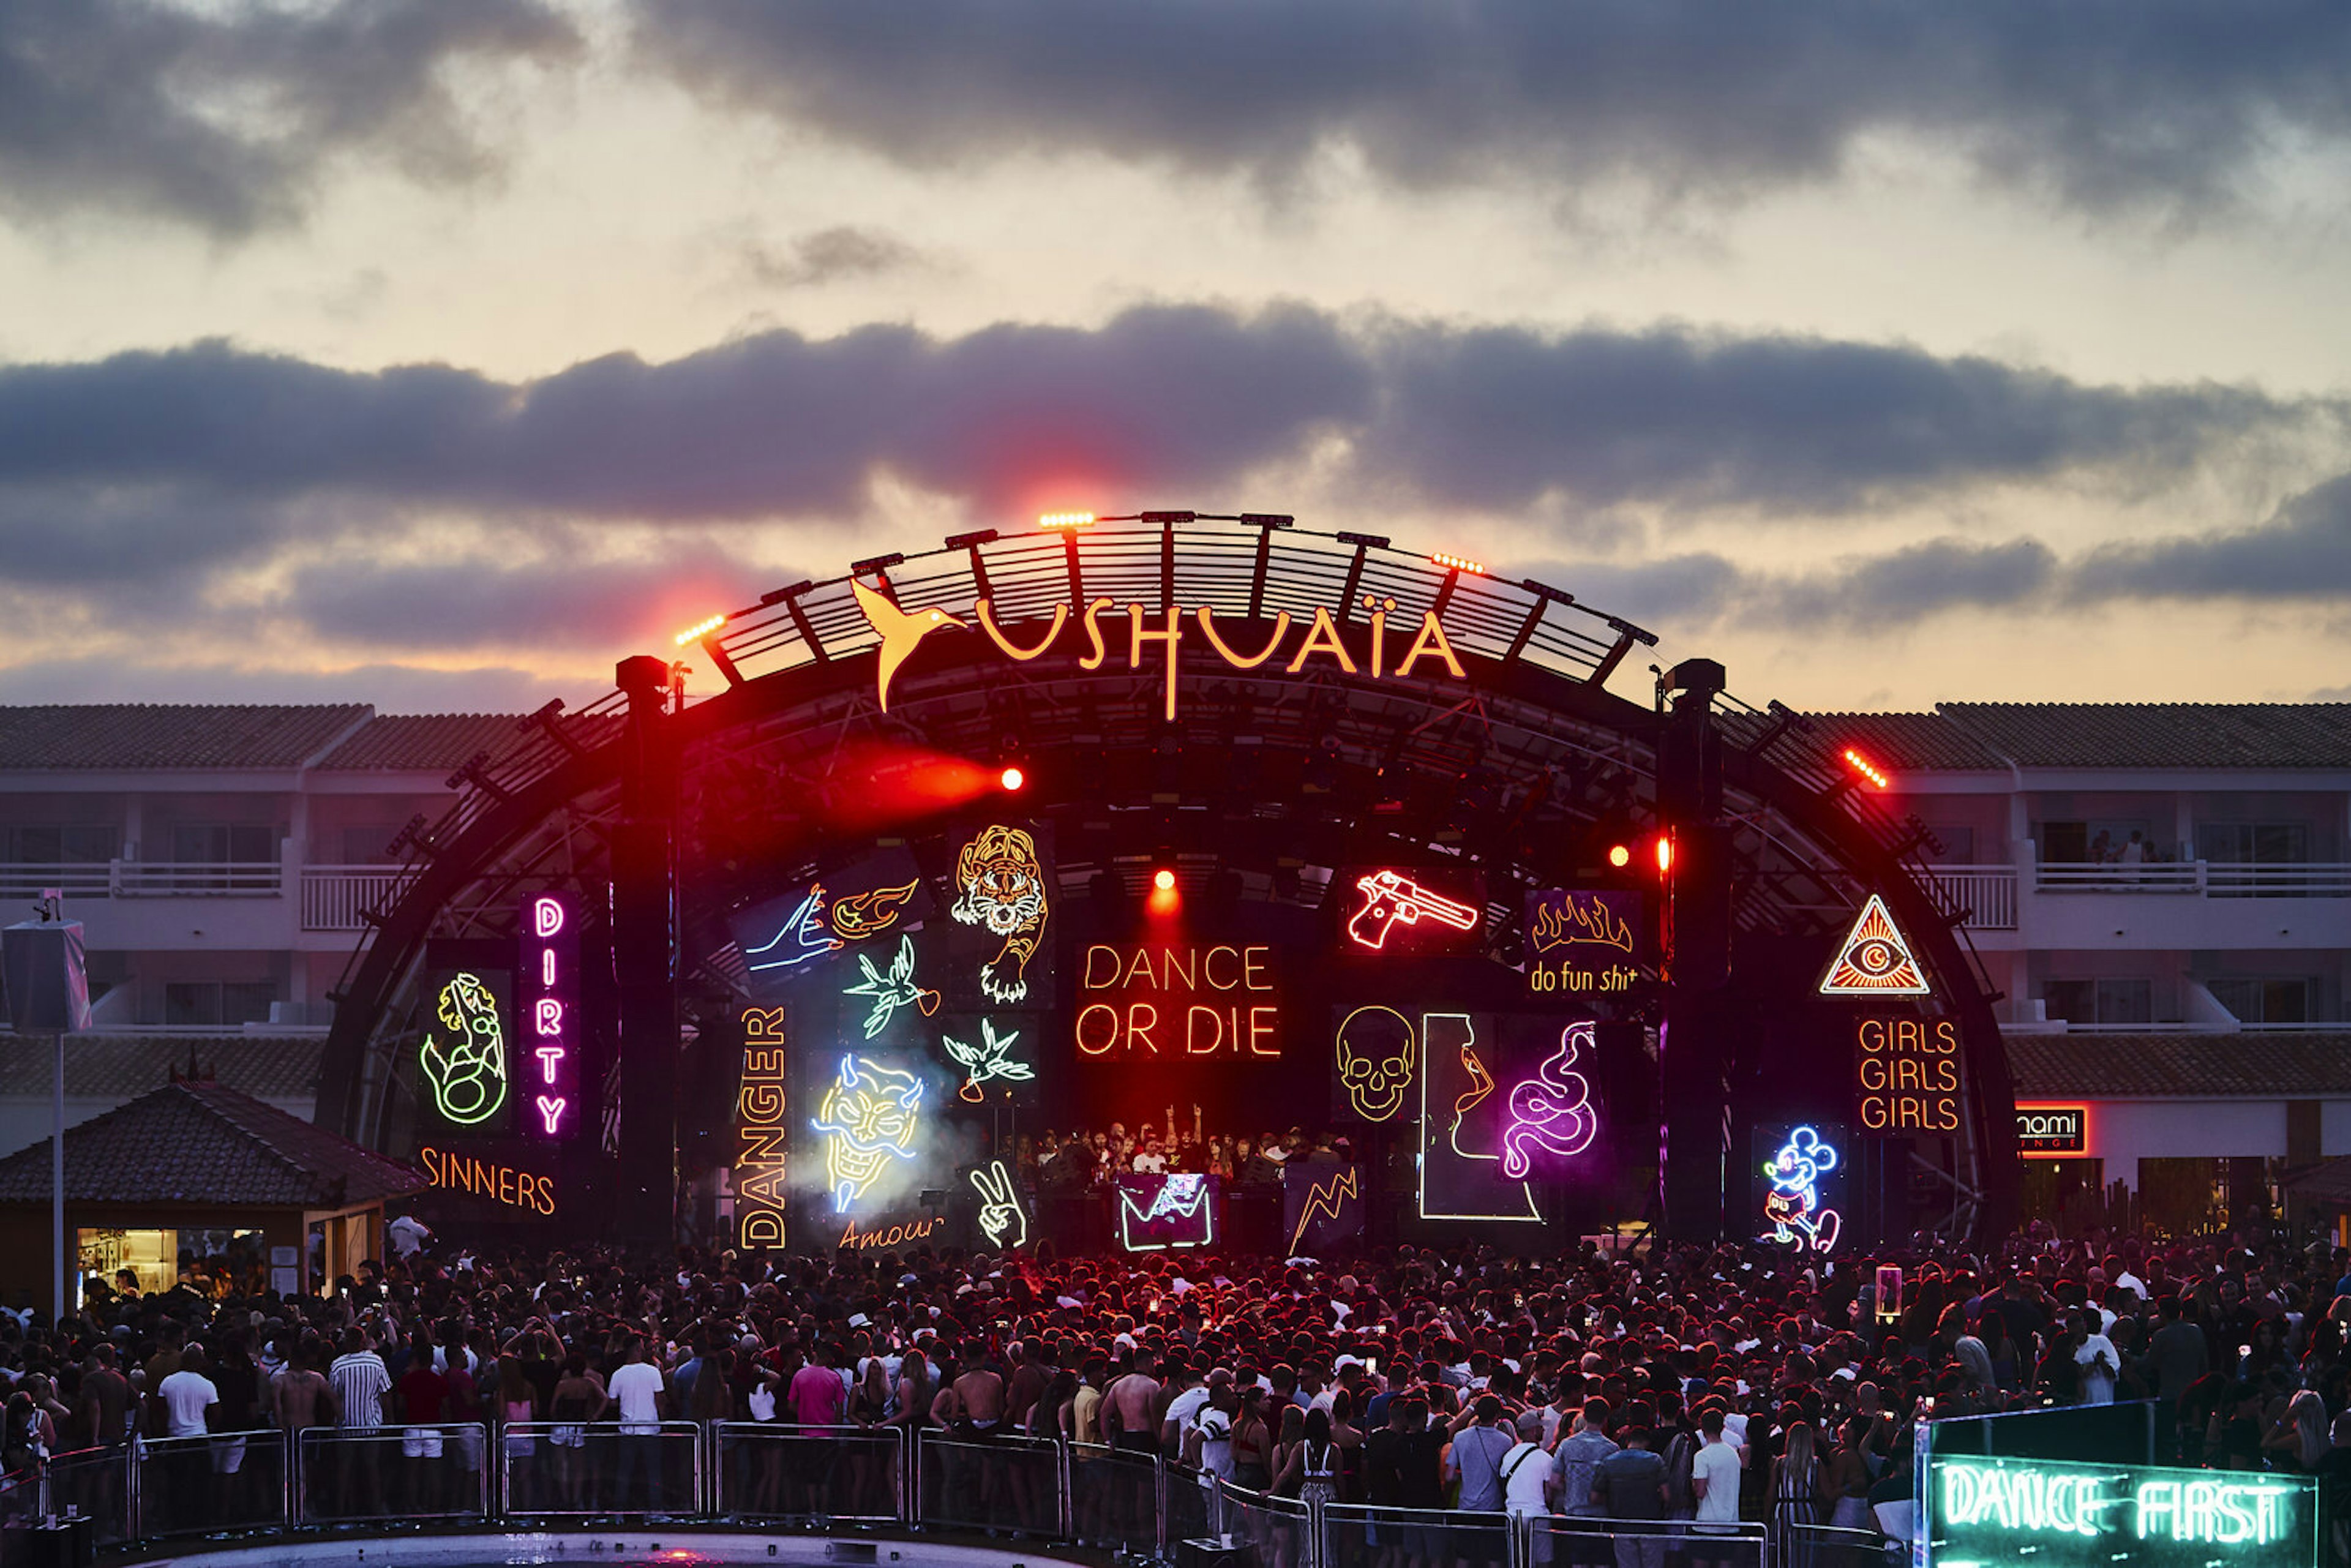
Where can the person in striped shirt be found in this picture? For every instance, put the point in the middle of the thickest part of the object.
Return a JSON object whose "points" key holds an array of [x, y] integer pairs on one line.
{"points": [[361, 1383]]}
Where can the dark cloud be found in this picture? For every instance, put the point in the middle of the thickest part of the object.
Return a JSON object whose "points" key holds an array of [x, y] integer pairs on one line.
{"points": [[393, 688], [222, 117], [1919, 580], [2103, 105], [1160, 405], [2302, 552], [831, 255]]}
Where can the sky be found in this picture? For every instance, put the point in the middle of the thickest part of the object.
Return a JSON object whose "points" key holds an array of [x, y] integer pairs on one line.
{"points": [[436, 353]]}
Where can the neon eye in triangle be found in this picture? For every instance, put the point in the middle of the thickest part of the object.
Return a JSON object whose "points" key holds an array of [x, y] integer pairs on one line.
{"points": [[1875, 960]]}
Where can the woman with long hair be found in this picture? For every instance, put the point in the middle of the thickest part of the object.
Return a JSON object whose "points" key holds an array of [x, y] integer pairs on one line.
{"points": [[2297, 1440], [1798, 1485], [1287, 1465], [1252, 1443]]}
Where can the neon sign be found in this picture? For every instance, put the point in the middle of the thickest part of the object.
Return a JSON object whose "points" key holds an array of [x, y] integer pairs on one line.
{"points": [[1164, 1213], [1875, 960], [501, 1183], [759, 1152], [1792, 1201], [891, 991], [1459, 1180], [1177, 1002], [1335, 1200], [1552, 1110], [803, 934], [901, 632], [1907, 1075], [466, 1064], [549, 992], [871, 913], [869, 1116], [1000, 1214], [1000, 886], [1986, 1511], [1390, 897], [894, 1235], [987, 1060], [2047, 1132], [1562, 918], [1376, 1053]]}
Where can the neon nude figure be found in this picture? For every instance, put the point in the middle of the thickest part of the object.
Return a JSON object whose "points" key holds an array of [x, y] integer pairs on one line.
{"points": [[987, 1060], [893, 990], [1794, 1204], [469, 1073]]}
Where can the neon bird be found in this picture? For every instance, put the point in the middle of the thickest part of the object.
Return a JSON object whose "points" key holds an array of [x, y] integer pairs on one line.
{"points": [[809, 937], [901, 632], [891, 991], [986, 1061]]}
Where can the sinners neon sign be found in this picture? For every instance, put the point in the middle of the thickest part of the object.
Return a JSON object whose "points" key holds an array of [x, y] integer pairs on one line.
{"points": [[903, 631], [550, 989], [466, 1065]]}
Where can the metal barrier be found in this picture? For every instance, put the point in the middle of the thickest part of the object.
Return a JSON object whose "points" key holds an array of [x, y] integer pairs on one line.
{"points": [[1189, 1506], [772, 1470], [1832, 1546], [194, 1485], [1282, 1529], [1008, 1484], [1356, 1535], [1117, 1499], [96, 1484], [601, 1467], [352, 1475], [1550, 1541]]}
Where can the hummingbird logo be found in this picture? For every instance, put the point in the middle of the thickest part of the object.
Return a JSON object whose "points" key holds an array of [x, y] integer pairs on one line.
{"points": [[901, 632]]}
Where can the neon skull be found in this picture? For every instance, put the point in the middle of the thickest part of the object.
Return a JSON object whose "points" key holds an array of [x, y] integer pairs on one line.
{"points": [[1376, 1053], [868, 1116]]}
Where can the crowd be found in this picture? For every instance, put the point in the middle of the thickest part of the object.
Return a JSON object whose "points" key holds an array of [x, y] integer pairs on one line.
{"points": [[1054, 1163], [1707, 1383]]}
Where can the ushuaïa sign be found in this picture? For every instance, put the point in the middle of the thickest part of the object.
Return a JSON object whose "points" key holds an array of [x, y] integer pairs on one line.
{"points": [[2053, 1515]]}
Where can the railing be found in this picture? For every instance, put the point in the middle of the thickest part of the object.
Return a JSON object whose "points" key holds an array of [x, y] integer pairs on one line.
{"points": [[2203, 879], [143, 879], [1988, 892], [779, 1475], [339, 897]]}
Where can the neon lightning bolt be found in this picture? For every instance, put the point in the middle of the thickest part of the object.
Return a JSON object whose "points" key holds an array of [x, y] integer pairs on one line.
{"points": [[1323, 1198]]}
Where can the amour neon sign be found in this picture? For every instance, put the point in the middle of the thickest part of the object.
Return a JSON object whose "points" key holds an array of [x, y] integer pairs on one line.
{"points": [[902, 631]]}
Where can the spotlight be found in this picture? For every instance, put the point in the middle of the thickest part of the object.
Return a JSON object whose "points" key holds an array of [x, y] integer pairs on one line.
{"points": [[1620, 855], [1860, 765], [1065, 520], [1163, 880], [1012, 779], [715, 622], [1458, 563], [1664, 855]]}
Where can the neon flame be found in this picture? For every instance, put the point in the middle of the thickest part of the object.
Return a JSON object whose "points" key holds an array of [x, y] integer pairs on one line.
{"points": [[699, 629], [1577, 924]]}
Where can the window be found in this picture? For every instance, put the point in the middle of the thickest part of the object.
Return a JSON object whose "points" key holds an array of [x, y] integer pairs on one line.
{"points": [[2254, 843], [2257, 1000], [213, 843], [369, 846], [223, 1004], [83, 843], [2123, 1000]]}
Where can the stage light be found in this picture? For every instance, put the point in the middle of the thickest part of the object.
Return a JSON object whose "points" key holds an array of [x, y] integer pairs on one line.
{"points": [[1163, 880], [700, 627], [1012, 779], [1664, 855], [1457, 563], [1620, 855], [1860, 765], [1065, 520]]}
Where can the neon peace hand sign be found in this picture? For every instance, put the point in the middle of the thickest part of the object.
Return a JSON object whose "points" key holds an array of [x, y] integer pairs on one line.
{"points": [[1000, 1207]]}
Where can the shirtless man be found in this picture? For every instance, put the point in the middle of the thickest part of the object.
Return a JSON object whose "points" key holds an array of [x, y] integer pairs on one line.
{"points": [[979, 1399], [1131, 1416]]}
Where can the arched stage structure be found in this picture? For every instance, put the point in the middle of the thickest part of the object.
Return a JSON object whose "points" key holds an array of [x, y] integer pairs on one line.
{"points": [[1342, 741]]}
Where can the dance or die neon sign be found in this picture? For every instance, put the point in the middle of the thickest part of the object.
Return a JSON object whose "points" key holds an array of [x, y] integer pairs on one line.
{"points": [[1387, 649], [1993, 1510], [1151, 1000]]}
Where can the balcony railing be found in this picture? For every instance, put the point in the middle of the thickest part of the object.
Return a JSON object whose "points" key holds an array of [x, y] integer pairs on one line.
{"points": [[338, 897], [142, 879], [1987, 892], [2203, 879]]}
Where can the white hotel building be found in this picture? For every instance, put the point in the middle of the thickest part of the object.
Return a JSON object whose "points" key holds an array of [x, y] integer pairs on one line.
{"points": [[2191, 993]]}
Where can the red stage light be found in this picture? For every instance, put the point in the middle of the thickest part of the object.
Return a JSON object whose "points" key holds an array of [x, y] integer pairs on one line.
{"points": [[695, 631], [1860, 765], [1664, 855], [1620, 855], [1065, 520], [1163, 880], [1458, 563], [1012, 779]]}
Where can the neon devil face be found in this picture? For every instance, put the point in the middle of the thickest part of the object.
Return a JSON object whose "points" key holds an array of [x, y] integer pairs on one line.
{"points": [[868, 1115], [466, 1063], [1376, 1049]]}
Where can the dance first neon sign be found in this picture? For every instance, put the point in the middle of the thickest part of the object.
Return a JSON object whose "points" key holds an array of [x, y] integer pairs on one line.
{"points": [[1989, 1510]]}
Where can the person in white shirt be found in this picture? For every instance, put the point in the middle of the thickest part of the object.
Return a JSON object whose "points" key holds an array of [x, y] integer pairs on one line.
{"points": [[185, 1396], [639, 1391], [1148, 1159], [1522, 1471], [2098, 1361], [1714, 1484]]}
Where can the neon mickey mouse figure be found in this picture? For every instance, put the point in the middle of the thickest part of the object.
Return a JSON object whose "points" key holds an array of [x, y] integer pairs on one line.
{"points": [[1794, 1204]]}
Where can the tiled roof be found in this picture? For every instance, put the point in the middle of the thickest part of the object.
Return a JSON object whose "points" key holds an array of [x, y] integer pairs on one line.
{"points": [[2160, 735], [1903, 742], [152, 735], [2179, 1066], [437, 742], [206, 1143], [122, 1067]]}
